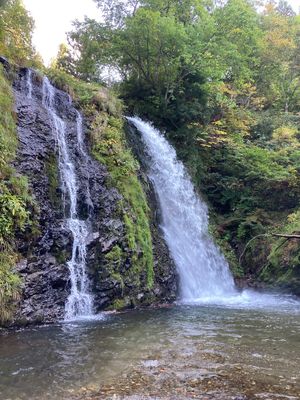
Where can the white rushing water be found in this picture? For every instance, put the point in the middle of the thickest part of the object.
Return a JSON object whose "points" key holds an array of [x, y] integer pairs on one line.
{"points": [[203, 271], [29, 83], [80, 301]]}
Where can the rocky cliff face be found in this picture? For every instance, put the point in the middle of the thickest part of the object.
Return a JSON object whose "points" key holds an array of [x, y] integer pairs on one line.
{"points": [[43, 267]]}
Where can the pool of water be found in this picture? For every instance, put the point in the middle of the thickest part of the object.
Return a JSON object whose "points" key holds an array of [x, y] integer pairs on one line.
{"points": [[177, 352]]}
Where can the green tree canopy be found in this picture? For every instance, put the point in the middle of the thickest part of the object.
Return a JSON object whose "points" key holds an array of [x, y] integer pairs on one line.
{"points": [[16, 27]]}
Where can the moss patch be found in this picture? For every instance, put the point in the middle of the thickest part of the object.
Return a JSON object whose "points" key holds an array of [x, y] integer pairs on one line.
{"points": [[119, 304], [90, 96], [109, 147], [15, 202], [53, 179]]}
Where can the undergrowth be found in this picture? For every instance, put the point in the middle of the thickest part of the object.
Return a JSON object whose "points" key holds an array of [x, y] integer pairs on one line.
{"points": [[14, 202], [283, 267]]}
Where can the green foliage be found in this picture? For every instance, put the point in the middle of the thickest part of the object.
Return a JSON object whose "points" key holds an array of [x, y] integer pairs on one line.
{"points": [[279, 70], [8, 140], [13, 188], [239, 37], [283, 267], [9, 286], [53, 179], [91, 40], [64, 61], [14, 215], [16, 27], [15, 202], [109, 148], [90, 96]]}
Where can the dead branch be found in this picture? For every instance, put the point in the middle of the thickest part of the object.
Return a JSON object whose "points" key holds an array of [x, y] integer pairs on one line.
{"points": [[287, 237]]}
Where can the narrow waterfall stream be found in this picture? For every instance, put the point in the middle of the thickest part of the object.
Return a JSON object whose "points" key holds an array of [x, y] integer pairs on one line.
{"points": [[80, 301], [203, 270], [29, 83]]}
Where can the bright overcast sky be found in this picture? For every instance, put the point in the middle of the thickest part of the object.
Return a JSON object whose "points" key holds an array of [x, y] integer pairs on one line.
{"points": [[54, 18]]}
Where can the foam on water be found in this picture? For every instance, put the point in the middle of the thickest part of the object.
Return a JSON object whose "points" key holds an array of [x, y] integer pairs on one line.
{"points": [[204, 274]]}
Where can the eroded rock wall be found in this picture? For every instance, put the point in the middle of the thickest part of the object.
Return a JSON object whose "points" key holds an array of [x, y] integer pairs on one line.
{"points": [[43, 265]]}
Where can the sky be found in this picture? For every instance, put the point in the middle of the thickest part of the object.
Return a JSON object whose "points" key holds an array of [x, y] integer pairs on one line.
{"points": [[54, 18]]}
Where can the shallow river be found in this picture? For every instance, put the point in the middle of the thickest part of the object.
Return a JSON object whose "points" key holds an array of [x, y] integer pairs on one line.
{"points": [[178, 352]]}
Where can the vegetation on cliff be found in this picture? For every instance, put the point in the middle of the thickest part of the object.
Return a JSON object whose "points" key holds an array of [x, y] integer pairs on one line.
{"points": [[16, 28], [223, 81], [103, 111], [15, 201]]}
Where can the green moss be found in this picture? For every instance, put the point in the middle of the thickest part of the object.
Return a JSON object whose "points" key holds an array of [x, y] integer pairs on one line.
{"points": [[15, 202], [109, 147], [114, 257], [114, 260], [118, 304], [61, 256], [53, 179], [90, 96], [223, 242]]}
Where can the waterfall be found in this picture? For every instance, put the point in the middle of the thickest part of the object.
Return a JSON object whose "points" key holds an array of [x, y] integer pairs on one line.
{"points": [[203, 270], [80, 301], [29, 83]]}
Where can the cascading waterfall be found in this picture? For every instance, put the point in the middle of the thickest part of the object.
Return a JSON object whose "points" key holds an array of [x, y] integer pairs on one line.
{"points": [[84, 156], [29, 83], [203, 271], [80, 301]]}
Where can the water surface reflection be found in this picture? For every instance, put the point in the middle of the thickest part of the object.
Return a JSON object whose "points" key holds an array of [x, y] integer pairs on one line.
{"points": [[188, 341]]}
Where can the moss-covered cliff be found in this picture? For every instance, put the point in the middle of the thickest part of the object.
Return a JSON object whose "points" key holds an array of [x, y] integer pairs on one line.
{"points": [[141, 269], [126, 266], [15, 201]]}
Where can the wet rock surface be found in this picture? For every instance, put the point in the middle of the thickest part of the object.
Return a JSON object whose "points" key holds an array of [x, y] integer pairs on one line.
{"points": [[43, 265]]}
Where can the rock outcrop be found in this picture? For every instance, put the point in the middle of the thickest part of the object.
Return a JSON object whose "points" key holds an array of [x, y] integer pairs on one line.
{"points": [[43, 266]]}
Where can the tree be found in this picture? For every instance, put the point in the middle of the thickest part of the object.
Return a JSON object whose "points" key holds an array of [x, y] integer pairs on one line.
{"points": [[16, 28], [64, 60], [91, 48], [285, 9], [238, 37], [116, 11], [280, 62]]}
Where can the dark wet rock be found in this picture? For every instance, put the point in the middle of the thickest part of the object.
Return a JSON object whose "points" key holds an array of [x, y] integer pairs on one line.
{"points": [[5, 63], [44, 271], [43, 268]]}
